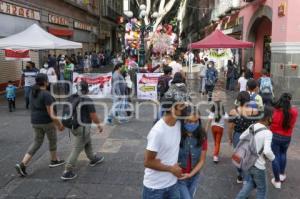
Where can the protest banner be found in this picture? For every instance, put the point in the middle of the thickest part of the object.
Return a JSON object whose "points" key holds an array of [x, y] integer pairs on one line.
{"points": [[99, 84]]}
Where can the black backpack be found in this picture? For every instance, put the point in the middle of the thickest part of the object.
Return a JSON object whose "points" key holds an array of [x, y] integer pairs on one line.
{"points": [[70, 117], [163, 85]]}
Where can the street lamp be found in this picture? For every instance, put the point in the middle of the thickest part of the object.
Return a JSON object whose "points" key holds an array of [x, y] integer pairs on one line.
{"points": [[143, 28]]}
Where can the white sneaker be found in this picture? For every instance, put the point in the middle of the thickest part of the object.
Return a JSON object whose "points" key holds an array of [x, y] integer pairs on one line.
{"points": [[282, 177], [277, 185], [216, 159]]}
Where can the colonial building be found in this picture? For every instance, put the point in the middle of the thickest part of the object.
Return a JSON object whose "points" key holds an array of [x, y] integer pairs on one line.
{"points": [[273, 26], [77, 20], [197, 17], [110, 14]]}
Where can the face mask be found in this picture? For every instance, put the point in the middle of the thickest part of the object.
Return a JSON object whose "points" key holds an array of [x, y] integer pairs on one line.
{"points": [[45, 65], [191, 127]]}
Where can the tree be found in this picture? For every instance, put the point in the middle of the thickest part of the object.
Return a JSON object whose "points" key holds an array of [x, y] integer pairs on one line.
{"points": [[163, 7], [180, 16]]}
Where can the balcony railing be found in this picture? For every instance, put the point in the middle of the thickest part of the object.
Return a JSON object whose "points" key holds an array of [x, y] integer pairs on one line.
{"points": [[91, 8]]}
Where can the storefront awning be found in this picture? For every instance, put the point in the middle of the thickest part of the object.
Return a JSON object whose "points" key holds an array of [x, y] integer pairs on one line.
{"points": [[61, 32]]}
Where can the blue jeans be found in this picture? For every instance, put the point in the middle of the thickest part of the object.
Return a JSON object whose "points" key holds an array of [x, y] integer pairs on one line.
{"points": [[280, 145], [257, 179], [235, 141], [167, 193], [189, 187], [118, 110], [27, 90]]}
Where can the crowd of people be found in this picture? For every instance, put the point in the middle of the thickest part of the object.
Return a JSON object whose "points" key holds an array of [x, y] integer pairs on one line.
{"points": [[259, 128]]}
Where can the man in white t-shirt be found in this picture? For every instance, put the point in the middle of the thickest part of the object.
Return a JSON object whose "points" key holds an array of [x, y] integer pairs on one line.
{"points": [[250, 64], [242, 82], [161, 156], [176, 66], [202, 74], [50, 72]]}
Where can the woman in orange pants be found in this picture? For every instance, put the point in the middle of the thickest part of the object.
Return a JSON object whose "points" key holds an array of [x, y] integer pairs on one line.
{"points": [[216, 120]]}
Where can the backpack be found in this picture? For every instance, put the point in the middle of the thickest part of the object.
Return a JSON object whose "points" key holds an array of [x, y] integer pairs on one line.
{"points": [[245, 154], [253, 103], [163, 85], [70, 117], [211, 77], [266, 85]]}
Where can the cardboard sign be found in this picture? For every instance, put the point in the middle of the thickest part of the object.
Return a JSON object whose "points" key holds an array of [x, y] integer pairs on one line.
{"points": [[147, 85]]}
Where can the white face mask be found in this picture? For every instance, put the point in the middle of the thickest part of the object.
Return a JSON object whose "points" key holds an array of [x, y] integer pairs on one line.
{"points": [[45, 65]]}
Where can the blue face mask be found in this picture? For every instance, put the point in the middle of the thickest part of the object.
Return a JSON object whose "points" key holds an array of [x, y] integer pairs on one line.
{"points": [[191, 127]]}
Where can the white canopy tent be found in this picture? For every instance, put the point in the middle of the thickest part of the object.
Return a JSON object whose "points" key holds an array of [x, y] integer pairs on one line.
{"points": [[36, 38]]}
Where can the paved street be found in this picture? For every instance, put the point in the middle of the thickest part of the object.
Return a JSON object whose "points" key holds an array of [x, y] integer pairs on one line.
{"points": [[120, 176]]}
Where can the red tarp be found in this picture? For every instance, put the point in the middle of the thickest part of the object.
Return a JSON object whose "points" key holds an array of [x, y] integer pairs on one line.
{"points": [[219, 40]]}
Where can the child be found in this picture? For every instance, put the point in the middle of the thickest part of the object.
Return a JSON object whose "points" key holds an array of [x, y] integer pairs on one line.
{"points": [[216, 120], [11, 96]]}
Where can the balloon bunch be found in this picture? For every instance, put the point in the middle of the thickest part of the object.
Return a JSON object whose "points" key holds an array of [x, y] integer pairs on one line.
{"points": [[132, 36], [163, 40]]}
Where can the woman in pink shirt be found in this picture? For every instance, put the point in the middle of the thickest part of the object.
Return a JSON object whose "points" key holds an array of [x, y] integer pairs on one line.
{"points": [[284, 120]]}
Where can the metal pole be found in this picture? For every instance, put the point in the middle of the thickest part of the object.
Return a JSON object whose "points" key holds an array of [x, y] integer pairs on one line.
{"points": [[142, 45]]}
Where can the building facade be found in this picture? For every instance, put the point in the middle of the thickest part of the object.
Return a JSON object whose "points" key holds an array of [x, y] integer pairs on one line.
{"points": [[70, 20], [110, 14], [273, 27], [197, 17]]}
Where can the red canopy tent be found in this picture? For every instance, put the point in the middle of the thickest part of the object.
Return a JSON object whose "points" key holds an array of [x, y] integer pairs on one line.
{"points": [[219, 40]]}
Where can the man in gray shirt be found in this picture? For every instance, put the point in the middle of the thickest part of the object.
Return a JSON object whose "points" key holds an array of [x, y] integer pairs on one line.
{"points": [[119, 106]]}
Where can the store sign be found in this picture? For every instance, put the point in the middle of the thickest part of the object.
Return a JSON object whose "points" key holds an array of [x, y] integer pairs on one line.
{"points": [[12, 9], [82, 26], [282, 9], [58, 20]]}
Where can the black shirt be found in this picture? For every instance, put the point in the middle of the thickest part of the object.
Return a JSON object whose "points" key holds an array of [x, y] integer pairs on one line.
{"points": [[39, 113], [86, 109], [242, 123]]}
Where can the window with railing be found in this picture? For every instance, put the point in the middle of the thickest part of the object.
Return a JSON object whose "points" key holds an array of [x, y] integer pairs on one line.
{"points": [[111, 8], [90, 5]]}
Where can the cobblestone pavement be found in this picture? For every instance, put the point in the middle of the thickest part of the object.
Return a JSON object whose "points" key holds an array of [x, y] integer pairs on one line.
{"points": [[120, 176]]}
